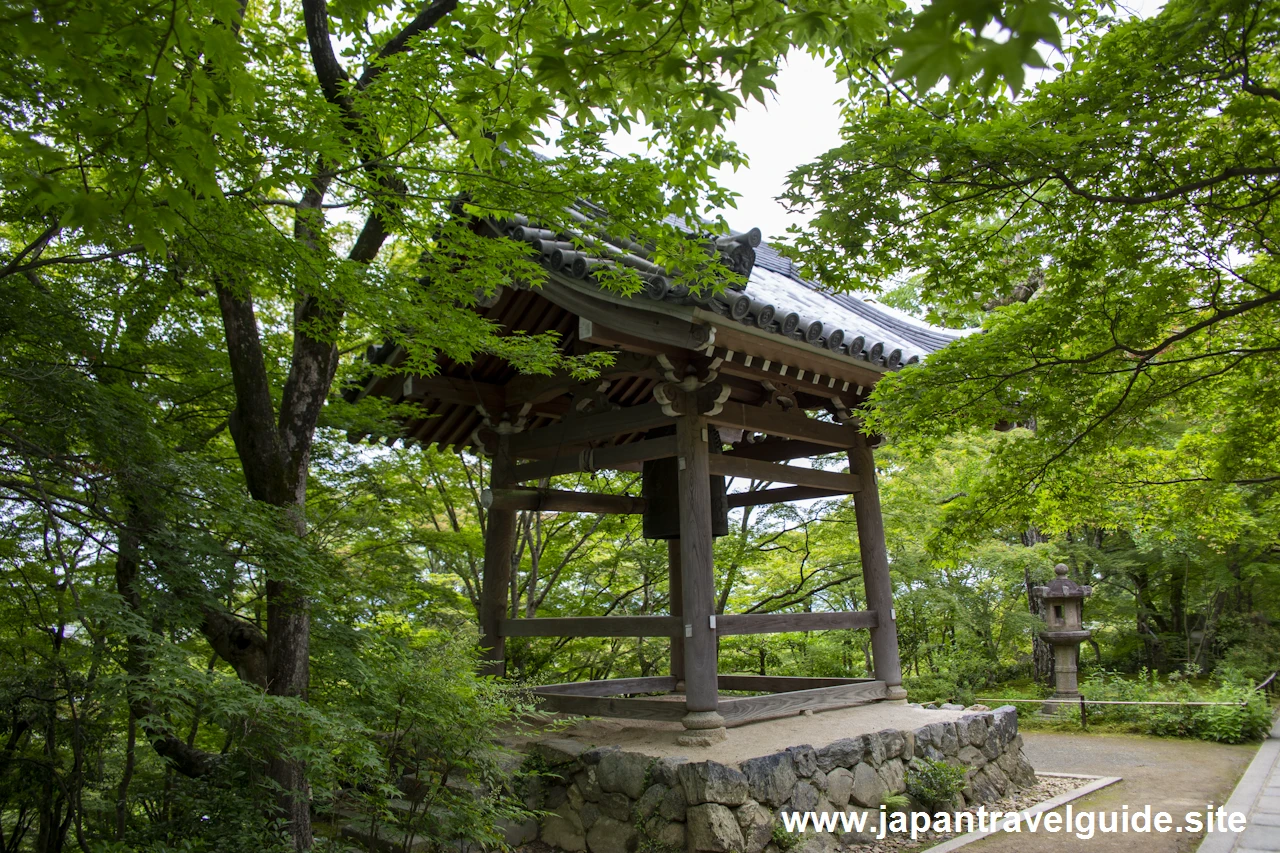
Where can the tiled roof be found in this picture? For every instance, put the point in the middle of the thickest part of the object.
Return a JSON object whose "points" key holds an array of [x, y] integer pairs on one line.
{"points": [[775, 298], [907, 328]]}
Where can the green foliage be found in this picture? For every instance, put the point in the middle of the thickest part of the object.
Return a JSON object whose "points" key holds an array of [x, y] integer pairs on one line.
{"points": [[1245, 717], [166, 173], [783, 839], [1253, 650], [1112, 231], [1250, 720], [896, 802], [223, 813], [950, 38], [934, 784], [419, 730]]}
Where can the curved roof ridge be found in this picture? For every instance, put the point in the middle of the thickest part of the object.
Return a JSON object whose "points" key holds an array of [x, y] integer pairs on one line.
{"points": [[775, 298]]}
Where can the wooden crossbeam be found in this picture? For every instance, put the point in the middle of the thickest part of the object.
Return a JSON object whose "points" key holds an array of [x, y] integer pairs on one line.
{"points": [[782, 623], [784, 424], [600, 706], [646, 325], [596, 459], [754, 469], [556, 500], [736, 711], [752, 709], [781, 451], [660, 336], [591, 427], [782, 683], [614, 686], [606, 698], [592, 626], [783, 495]]}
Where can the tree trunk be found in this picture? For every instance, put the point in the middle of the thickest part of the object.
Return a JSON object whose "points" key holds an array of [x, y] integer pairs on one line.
{"points": [[126, 778], [289, 649], [1042, 669], [274, 456]]}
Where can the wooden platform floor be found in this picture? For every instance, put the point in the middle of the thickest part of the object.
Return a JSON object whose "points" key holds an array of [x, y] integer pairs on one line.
{"points": [[746, 741]]}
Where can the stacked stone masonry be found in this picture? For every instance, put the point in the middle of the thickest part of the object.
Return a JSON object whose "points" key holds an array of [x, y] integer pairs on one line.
{"points": [[605, 800]]}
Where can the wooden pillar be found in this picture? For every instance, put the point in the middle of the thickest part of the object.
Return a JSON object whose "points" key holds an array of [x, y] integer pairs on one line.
{"points": [[675, 582], [499, 545], [875, 569], [698, 576]]}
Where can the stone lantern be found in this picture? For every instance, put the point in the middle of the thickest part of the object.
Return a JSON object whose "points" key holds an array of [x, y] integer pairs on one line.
{"points": [[1064, 630]]}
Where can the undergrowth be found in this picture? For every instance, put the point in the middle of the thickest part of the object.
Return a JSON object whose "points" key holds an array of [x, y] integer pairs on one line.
{"points": [[1244, 716]]}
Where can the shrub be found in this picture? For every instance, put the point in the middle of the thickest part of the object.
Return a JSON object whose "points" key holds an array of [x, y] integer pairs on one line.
{"points": [[896, 802], [408, 746], [1246, 717], [1236, 723], [783, 839], [933, 784]]}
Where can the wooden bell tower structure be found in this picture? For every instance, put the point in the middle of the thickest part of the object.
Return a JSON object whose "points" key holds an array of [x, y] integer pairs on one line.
{"points": [[702, 390]]}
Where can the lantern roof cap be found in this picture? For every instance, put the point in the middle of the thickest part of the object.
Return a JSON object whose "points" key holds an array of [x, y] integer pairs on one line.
{"points": [[1063, 586]]}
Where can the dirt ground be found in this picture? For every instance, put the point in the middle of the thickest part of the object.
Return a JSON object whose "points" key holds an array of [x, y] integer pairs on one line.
{"points": [[1176, 776]]}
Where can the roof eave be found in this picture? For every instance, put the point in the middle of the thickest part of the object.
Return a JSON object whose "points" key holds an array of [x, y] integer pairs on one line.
{"points": [[768, 339]]}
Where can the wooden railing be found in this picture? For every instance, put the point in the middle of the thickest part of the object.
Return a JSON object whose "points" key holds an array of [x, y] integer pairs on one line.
{"points": [[782, 623]]}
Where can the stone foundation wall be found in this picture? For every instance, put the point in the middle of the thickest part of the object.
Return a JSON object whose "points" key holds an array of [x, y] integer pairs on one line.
{"points": [[606, 800]]}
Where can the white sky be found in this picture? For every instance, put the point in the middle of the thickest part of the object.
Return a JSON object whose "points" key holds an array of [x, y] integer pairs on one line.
{"points": [[799, 122]]}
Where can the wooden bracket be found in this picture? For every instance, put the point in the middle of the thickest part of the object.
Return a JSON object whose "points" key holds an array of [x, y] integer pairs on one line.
{"points": [[781, 395], [590, 398], [691, 374], [485, 435], [707, 400]]}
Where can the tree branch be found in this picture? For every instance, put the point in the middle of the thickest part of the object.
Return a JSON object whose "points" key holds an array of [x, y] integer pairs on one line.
{"points": [[14, 267], [1174, 192], [426, 20], [37, 246], [239, 643], [252, 422], [330, 73]]}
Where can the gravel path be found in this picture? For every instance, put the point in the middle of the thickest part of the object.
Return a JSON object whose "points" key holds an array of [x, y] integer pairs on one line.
{"points": [[1176, 776]]}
